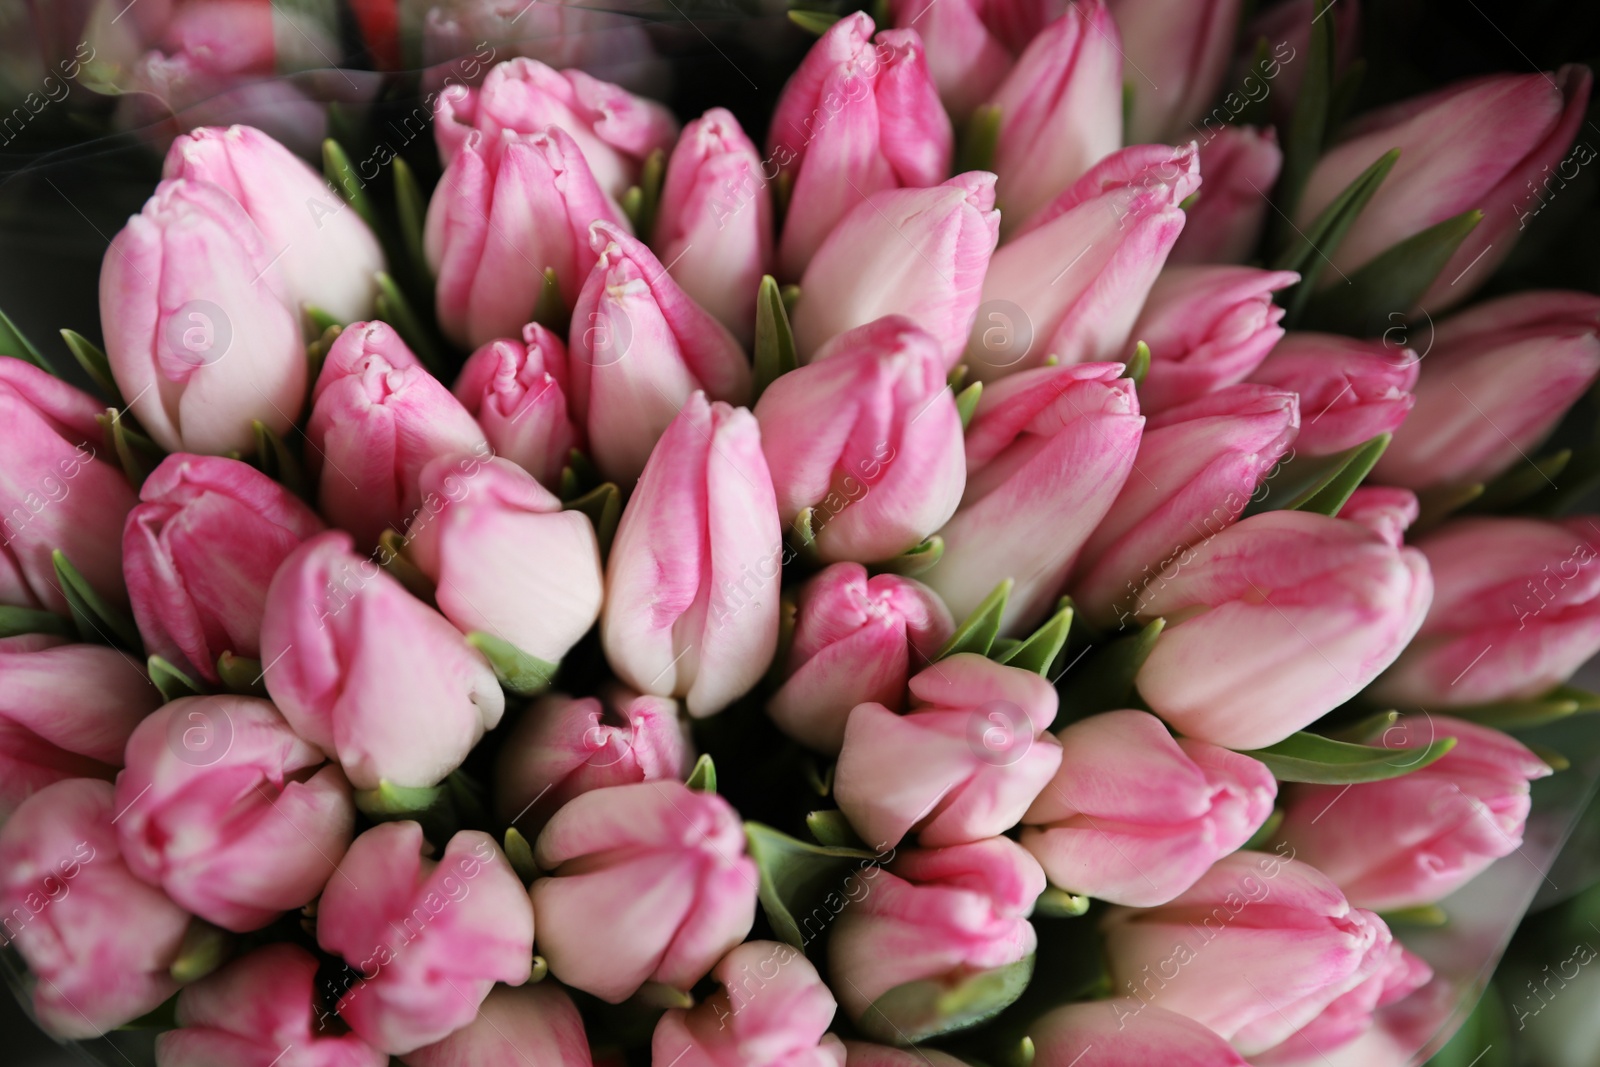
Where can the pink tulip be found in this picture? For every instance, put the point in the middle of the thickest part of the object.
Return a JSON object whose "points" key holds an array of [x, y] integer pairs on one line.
{"points": [[517, 392], [1494, 383], [65, 712], [963, 764], [773, 1010], [1207, 327], [563, 746], [1224, 225], [714, 226], [1136, 817], [1387, 512], [1350, 1016], [868, 438], [1071, 282], [862, 1054], [1177, 54], [935, 915], [1516, 611], [1280, 619], [921, 253], [860, 115], [368, 673], [428, 938], [515, 1027], [1350, 391], [1493, 144], [200, 327], [99, 942], [1047, 452], [1124, 1032], [649, 883], [1060, 111], [377, 418], [509, 207], [199, 552], [329, 256], [640, 348], [972, 44], [856, 640], [61, 489], [691, 608], [1198, 466], [258, 1011]]}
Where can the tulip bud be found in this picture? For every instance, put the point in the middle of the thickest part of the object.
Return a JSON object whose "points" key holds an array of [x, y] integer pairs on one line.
{"points": [[1135, 817], [1124, 1032], [921, 253], [1349, 1017], [935, 915], [65, 712], [640, 348], [259, 1006], [649, 883], [1387, 512], [1495, 382], [329, 256], [515, 1027], [860, 115], [1047, 452], [99, 942], [868, 437], [1197, 467], [1071, 282], [60, 488], [1207, 327], [1060, 111], [1516, 611], [963, 764], [199, 553], [517, 392], [856, 640], [1224, 224], [368, 673], [1522, 125], [773, 1010], [714, 225], [1350, 391], [972, 44], [510, 207], [199, 324], [428, 938], [1186, 47], [377, 418], [563, 746], [691, 608]]}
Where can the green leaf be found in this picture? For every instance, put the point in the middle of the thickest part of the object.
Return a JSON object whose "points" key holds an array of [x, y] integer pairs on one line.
{"points": [[913, 561], [1552, 759], [1056, 903], [1138, 364], [13, 343], [95, 619], [137, 454], [1522, 481], [603, 505], [967, 402], [173, 683], [917, 1011], [1392, 282], [1437, 504], [395, 309], [520, 855], [428, 805], [518, 672], [1557, 704], [1039, 651], [642, 201], [94, 364], [1430, 915], [204, 948], [241, 675], [412, 207], [1312, 250], [980, 139], [1300, 482], [774, 347], [798, 879], [276, 460], [1268, 830], [551, 311], [342, 176], [1332, 496], [803, 538], [703, 778], [1256, 111], [1304, 757], [320, 321], [1307, 132], [815, 22], [978, 631], [832, 828], [16, 621], [1104, 682]]}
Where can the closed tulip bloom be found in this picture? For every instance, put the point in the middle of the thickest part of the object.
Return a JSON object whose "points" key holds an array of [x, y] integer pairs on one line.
{"points": [[1350, 391], [100, 942], [1207, 327], [648, 883], [1241, 165], [377, 418], [1047, 452], [773, 1010], [1493, 144], [921, 253], [691, 608], [1516, 611], [429, 938], [517, 390], [868, 437], [1351, 1016], [860, 115], [1517, 363], [1197, 467], [1125, 1032], [863, 1054], [1070, 284], [515, 1026], [856, 641], [1186, 47], [368, 673], [935, 915], [330, 257], [199, 552], [66, 711], [972, 44], [714, 223], [260, 1006], [640, 348], [1387, 512], [963, 764], [1135, 816], [200, 327]]}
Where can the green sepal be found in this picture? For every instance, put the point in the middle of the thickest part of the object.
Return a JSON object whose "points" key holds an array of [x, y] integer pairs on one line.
{"points": [[396, 310], [980, 140], [917, 1011], [204, 948], [1311, 250], [173, 683], [979, 630], [520, 855], [797, 879], [1056, 903], [241, 675], [391, 556], [551, 311], [1396, 279], [967, 402], [389, 802], [917, 559], [1332, 496], [1553, 706], [1552, 759], [136, 453], [1039, 651], [1138, 364], [1304, 757], [813, 22], [645, 197], [317, 351], [276, 460], [319, 321], [1429, 915], [775, 353], [95, 619], [1105, 682], [703, 779], [603, 505], [17, 621], [14, 343], [801, 536], [832, 829], [518, 672], [412, 208], [539, 971], [663, 997], [94, 364], [1310, 483], [342, 176]]}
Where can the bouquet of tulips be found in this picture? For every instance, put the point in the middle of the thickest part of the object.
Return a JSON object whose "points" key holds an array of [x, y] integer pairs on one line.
{"points": [[1024, 565]]}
